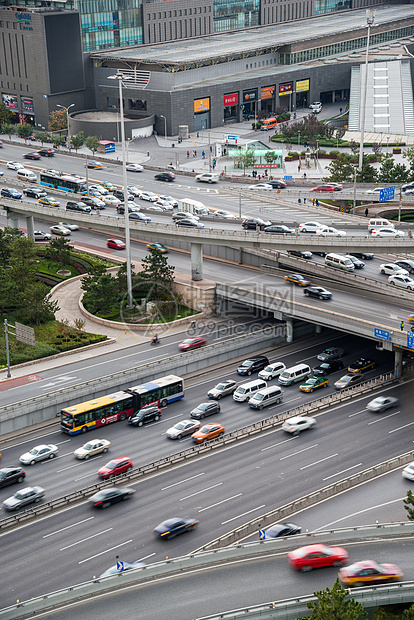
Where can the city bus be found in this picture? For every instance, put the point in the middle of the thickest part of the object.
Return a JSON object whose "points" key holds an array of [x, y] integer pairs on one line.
{"points": [[60, 180], [120, 405]]}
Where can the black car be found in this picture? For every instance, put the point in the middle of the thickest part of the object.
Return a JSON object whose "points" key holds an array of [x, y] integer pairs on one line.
{"points": [[119, 193], [11, 475], [363, 255], [34, 192], [73, 205], [187, 222], [277, 183], [283, 529], [205, 409], [252, 223], [31, 156], [358, 264], [406, 264], [317, 291], [145, 415], [141, 217], [326, 368], [175, 526], [132, 208], [93, 202], [46, 152], [106, 497], [165, 176], [253, 364], [10, 192], [279, 229], [331, 353], [300, 253]]}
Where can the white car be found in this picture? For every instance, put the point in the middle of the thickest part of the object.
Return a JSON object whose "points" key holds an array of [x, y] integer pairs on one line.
{"points": [[272, 371], [134, 168], [149, 196], [164, 205], [390, 269], [39, 453], [99, 188], [310, 227], [382, 403], [14, 165], [134, 191], [402, 281], [330, 231], [60, 230], [225, 214], [376, 190], [387, 232], [170, 199], [298, 423], [408, 471], [261, 186], [92, 447], [70, 226], [316, 107], [208, 177], [183, 428], [154, 207], [110, 200]]}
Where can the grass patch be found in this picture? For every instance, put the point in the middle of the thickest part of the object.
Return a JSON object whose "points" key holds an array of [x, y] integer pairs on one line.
{"points": [[136, 315]]}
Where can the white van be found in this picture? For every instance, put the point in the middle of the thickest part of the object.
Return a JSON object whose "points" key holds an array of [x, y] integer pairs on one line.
{"points": [[246, 390], [268, 396], [294, 374], [27, 175], [340, 262], [379, 222], [273, 370]]}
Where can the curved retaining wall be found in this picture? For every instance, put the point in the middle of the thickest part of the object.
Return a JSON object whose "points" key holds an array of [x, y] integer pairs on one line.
{"points": [[107, 130]]}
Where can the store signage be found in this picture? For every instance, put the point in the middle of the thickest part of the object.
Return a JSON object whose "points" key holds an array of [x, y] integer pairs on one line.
{"points": [[302, 86], [27, 104], [286, 88], [250, 95], [201, 105], [232, 99], [268, 92], [25, 20], [10, 101]]}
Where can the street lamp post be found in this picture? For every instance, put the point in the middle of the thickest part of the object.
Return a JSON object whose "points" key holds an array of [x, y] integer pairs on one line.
{"points": [[165, 128], [355, 171], [67, 118], [370, 20], [298, 138], [118, 76]]}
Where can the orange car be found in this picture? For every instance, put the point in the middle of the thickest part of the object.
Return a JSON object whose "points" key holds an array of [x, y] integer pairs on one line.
{"points": [[207, 432], [297, 279]]}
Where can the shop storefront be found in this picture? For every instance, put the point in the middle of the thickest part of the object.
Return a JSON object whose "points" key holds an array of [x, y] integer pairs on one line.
{"points": [[249, 103], [231, 108], [27, 108], [267, 96], [302, 90], [201, 114], [285, 95]]}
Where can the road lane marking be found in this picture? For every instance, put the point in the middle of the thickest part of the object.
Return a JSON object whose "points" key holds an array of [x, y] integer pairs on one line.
{"points": [[243, 514], [202, 491], [341, 472], [67, 527], [383, 418], [222, 502], [400, 427], [320, 461], [298, 452], [356, 413], [87, 476], [103, 552], [79, 542], [181, 481], [277, 444], [393, 501]]}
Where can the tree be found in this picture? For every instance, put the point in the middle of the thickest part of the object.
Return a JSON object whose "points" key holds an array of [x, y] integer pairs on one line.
{"points": [[58, 140], [270, 156], [5, 115], [409, 505], [409, 154], [100, 293], [42, 136], [335, 604], [354, 146], [390, 172], [368, 174], [8, 291], [57, 120], [7, 237], [60, 252], [78, 140], [247, 159], [23, 264], [92, 143], [8, 129], [25, 130], [340, 169], [37, 306], [158, 274]]}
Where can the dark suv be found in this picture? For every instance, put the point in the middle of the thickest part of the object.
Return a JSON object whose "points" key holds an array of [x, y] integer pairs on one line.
{"points": [[145, 415], [46, 152], [205, 409], [165, 176], [119, 193], [73, 205], [11, 475], [251, 223], [93, 202], [253, 364]]}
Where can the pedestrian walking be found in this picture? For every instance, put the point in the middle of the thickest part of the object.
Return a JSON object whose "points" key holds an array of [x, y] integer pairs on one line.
{"points": [[317, 202], [203, 155], [402, 325], [304, 201], [299, 201], [188, 154], [313, 201], [195, 153], [298, 167], [198, 134], [366, 212], [304, 175]]}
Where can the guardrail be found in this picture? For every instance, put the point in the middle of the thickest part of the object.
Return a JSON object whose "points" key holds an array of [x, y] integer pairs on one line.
{"points": [[186, 564], [197, 450]]}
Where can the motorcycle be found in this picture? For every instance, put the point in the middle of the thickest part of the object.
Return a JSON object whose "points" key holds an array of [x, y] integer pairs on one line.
{"points": [[155, 340]]}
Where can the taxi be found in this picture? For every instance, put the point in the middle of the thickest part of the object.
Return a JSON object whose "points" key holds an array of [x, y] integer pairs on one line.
{"points": [[297, 279], [159, 247], [96, 165], [313, 383], [361, 365], [369, 572], [49, 201]]}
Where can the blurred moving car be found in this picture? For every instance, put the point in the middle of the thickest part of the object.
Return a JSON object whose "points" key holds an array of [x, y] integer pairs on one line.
{"points": [[14, 165], [317, 291], [282, 529], [313, 383], [252, 223], [116, 244], [261, 186], [224, 388], [189, 222], [91, 448], [39, 453], [39, 235], [159, 247], [330, 231], [120, 465], [192, 343], [317, 556], [331, 353], [402, 281], [49, 201], [279, 229], [309, 227], [327, 187], [387, 232], [140, 217], [369, 572], [60, 230], [134, 168], [408, 471], [301, 253], [11, 475], [298, 423], [207, 177], [390, 269], [347, 381], [175, 526], [10, 192], [326, 368], [165, 176], [298, 279], [148, 414], [382, 403], [34, 192], [21, 498], [70, 226], [361, 365], [32, 156], [96, 165], [111, 495], [208, 432], [182, 429]]}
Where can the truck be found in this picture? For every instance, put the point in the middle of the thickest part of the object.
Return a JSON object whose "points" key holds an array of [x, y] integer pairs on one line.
{"points": [[192, 206]]}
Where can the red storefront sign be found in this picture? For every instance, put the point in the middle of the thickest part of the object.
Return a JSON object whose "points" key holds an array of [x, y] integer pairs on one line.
{"points": [[266, 165], [286, 89], [232, 99]]}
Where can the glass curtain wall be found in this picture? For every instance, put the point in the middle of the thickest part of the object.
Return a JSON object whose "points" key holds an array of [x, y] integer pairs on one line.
{"points": [[234, 14]]}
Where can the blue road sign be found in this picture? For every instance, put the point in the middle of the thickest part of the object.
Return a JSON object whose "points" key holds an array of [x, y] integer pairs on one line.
{"points": [[382, 334], [262, 534], [120, 566], [410, 340], [387, 193], [287, 177]]}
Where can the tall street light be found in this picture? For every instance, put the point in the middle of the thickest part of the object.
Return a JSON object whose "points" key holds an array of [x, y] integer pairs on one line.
{"points": [[67, 118], [370, 20], [120, 77], [165, 128]]}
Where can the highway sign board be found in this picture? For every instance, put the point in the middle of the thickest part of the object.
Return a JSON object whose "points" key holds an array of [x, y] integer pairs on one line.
{"points": [[287, 177], [410, 340], [382, 334], [120, 566], [387, 193], [262, 534]]}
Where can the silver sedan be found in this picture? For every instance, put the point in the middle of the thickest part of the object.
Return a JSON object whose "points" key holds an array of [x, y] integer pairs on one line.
{"points": [[382, 403], [183, 428], [23, 497], [39, 453]]}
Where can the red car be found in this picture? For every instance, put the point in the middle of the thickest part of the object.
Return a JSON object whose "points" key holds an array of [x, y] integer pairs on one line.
{"points": [[115, 467], [369, 572], [317, 556], [117, 244], [327, 187], [32, 156], [191, 343]]}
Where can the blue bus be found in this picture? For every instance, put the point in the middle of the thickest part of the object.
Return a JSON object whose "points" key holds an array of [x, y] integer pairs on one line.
{"points": [[60, 180]]}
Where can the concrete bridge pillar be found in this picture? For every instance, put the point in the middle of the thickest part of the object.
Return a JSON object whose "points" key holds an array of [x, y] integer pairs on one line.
{"points": [[12, 220], [289, 330], [30, 226], [398, 354], [196, 261]]}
